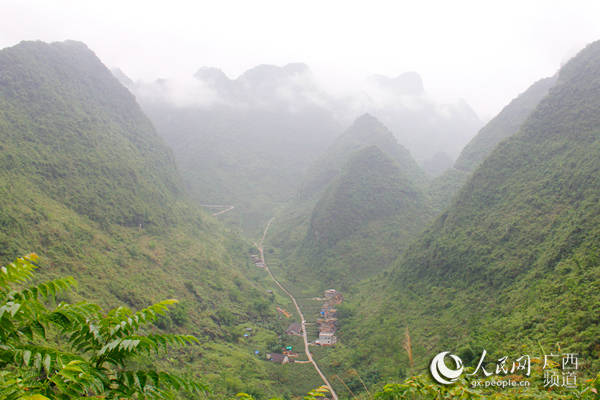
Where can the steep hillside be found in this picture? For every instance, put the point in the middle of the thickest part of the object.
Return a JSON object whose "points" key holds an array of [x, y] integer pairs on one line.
{"points": [[371, 186], [364, 132], [358, 208], [87, 184], [512, 266], [363, 220], [504, 125], [80, 136]]}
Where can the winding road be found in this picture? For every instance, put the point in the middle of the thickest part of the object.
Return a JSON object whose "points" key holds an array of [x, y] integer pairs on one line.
{"points": [[259, 246]]}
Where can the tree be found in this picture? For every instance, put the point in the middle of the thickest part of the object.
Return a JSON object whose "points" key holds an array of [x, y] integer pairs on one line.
{"points": [[76, 350]]}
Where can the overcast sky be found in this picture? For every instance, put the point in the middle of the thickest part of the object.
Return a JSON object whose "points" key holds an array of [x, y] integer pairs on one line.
{"points": [[485, 52]]}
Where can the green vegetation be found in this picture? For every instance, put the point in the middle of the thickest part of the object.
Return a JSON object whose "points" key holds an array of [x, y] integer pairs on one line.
{"points": [[361, 221], [75, 350], [505, 124], [358, 208], [69, 127], [370, 187], [365, 132], [513, 265], [87, 184]]}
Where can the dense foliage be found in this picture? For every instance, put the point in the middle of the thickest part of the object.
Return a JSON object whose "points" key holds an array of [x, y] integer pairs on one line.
{"points": [[357, 209], [363, 221], [504, 125], [76, 350], [75, 132], [86, 182], [513, 265]]}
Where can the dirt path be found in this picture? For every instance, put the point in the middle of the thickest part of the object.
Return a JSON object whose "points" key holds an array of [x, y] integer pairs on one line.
{"points": [[227, 208], [259, 246]]}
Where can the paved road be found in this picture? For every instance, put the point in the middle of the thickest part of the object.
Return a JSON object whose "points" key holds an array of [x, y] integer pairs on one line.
{"points": [[259, 246]]}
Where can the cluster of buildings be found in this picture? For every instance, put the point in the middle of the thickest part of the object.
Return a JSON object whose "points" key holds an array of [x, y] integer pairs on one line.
{"points": [[328, 318], [257, 260]]}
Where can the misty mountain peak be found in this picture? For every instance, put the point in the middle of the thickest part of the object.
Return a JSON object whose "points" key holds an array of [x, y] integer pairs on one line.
{"points": [[211, 75], [272, 74], [262, 74], [38, 45], [296, 68], [368, 125], [407, 84]]}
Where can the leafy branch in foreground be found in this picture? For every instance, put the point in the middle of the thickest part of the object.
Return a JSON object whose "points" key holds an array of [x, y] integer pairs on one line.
{"points": [[320, 393], [75, 350]]}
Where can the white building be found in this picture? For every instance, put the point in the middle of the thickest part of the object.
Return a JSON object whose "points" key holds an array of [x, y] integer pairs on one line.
{"points": [[326, 339]]}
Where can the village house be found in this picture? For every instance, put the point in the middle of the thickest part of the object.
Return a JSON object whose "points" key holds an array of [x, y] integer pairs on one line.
{"points": [[333, 297], [278, 358], [294, 329], [326, 339], [328, 321]]}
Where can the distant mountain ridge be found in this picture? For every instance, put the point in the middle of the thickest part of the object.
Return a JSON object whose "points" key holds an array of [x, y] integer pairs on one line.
{"points": [[237, 139], [264, 85], [251, 141], [408, 83]]}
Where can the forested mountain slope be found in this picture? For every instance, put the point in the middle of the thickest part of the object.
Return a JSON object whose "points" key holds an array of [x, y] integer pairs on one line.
{"points": [[87, 184], [79, 135], [504, 125], [364, 132], [512, 266], [358, 208], [369, 187], [365, 218]]}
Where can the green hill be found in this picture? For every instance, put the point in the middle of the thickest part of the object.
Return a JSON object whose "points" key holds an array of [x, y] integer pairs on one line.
{"points": [[80, 137], [512, 266], [87, 184], [363, 220], [371, 186], [357, 209], [366, 131]]}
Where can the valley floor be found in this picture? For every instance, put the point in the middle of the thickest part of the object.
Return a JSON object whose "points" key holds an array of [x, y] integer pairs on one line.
{"points": [[309, 356]]}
